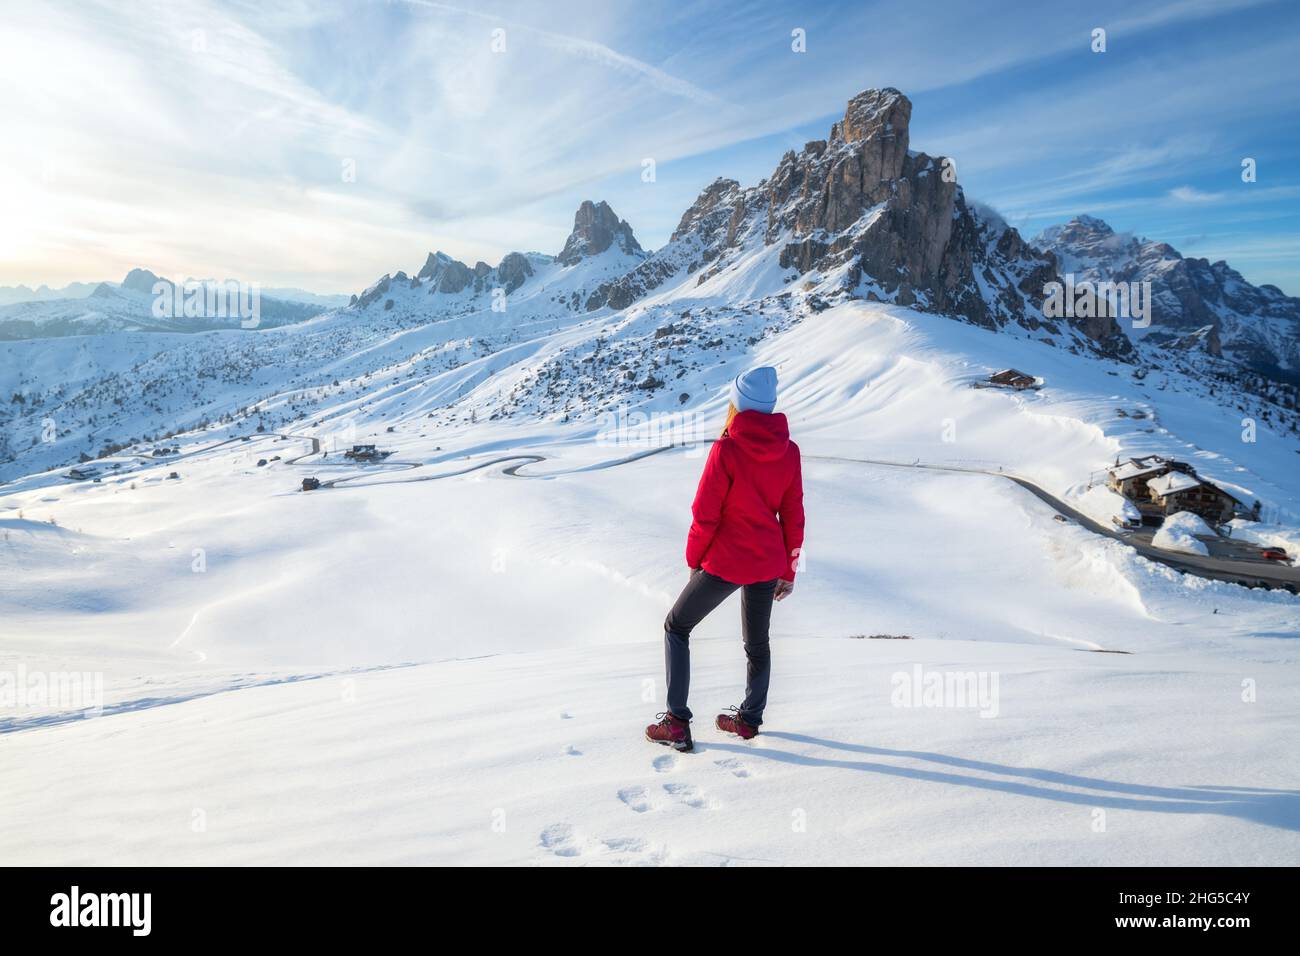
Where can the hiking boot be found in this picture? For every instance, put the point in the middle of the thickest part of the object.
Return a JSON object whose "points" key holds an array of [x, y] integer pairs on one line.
{"points": [[733, 723], [671, 731]]}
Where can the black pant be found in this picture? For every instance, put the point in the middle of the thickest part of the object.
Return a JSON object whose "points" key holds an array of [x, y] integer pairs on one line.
{"points": [[704, 592]]}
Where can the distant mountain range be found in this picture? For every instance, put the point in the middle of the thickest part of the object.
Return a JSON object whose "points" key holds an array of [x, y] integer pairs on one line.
{"points": [[128, 306], [1195, 303], [603, 324], [9, 294]]}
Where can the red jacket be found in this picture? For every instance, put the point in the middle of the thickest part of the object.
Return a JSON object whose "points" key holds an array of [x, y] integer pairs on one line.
{"points": [[748, 510]]}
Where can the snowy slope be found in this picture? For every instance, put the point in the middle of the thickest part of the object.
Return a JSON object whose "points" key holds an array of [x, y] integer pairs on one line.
{"points": [[380, 767], [389, 666], [449, 656]]}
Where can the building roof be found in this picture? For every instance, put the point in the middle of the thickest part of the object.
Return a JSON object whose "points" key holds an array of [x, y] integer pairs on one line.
{"points": [[1136, 467], [1176, 481]]}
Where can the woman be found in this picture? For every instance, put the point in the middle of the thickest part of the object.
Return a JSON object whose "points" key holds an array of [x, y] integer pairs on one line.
{"points": [[746, 533]]}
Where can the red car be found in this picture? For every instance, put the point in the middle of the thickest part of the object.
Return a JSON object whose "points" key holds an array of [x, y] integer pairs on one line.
{"points": [[1273, 554]]}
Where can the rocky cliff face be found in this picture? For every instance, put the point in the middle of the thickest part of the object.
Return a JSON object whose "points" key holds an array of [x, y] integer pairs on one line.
{"points": [[856, 215], [1194, 303], [598, 237], [595, 229], [442, 273], [451, 276], [861, 215], [445, 274]]}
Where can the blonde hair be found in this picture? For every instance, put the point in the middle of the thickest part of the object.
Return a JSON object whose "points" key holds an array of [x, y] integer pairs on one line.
{"points": [[732, 411]]}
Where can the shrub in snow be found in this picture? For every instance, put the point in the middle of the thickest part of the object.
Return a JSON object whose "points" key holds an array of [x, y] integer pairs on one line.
{"points": [[1178, 532]]}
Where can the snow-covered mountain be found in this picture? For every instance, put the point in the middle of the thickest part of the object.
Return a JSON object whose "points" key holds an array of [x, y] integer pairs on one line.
{"points": [[596, 228], [9, 294], [1195, 303], [859, 215], [388, 664], [323, 300], [856, 217], [129, 307]]}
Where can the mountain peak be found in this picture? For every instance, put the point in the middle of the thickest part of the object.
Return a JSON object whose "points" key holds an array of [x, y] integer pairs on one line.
{"points": [[140, 280], [1092, 222], [1089, 224], [859, 216], [1080, 231], [445, 274], [596, 227], [873, 112], [1251, 325]]}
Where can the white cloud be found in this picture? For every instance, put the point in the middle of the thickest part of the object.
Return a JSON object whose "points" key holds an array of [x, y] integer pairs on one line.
{"points": [[589, 49], [1193, 195], [227, 159]]}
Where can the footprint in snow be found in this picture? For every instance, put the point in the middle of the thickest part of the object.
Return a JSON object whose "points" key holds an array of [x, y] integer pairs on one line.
{"points": [[733, 765], [572, 751], [564, 840], [690, 795], [665, 763], [629, 851], [636, 798]]}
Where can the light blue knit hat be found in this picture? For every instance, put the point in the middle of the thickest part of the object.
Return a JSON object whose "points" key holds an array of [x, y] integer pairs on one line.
{"points": [[755, 390]]}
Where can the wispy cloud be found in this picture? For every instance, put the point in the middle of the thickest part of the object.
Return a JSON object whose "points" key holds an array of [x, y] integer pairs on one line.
{"points": [[588, 49], [211, 137], [1193, 195]]}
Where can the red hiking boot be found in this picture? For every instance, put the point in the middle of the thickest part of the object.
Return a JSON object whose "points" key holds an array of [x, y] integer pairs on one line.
{"points": [[672, 732], [733, 723]]}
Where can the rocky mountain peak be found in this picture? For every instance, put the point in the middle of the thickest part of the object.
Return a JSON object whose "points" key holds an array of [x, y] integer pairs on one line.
{"points": [[1086, 222], [596, 227], [711, 211], [863, 217], [1194, 303], [875, 113], [445, 274], [1081, 231], [140, 280]]}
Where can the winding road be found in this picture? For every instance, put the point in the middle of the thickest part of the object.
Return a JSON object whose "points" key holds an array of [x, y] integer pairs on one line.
{"points": [[1260, 573], [1249, 573], [1265, 574]]}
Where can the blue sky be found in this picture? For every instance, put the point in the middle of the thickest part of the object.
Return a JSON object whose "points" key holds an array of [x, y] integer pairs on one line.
{"points": [[202, 138]]}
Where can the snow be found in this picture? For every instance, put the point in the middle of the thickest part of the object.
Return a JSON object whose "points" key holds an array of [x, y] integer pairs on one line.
{"points": [[1180, 531], [1171, 483], [1107, 507], [484, 760], [442, 662], [1268, 535], [1134, 468]]}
